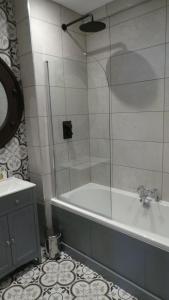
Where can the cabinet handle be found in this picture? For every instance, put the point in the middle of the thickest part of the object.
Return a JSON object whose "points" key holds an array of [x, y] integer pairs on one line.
{"points": [[8, 243], [13, 241], [17, 201]]}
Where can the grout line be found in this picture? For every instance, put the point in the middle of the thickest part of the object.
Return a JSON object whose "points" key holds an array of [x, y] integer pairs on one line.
{"points": [[127, 140], [65, 98], [129, 52], [54, 86], [127, 9], [137, 168], [137, 82], [33, 52], [128, 83], [124, 112], [136, 50], [137, 141], [72, 141], [110, 110], [165, 65], [107, 16], [56, 25], [87, 98], [137, 17]]}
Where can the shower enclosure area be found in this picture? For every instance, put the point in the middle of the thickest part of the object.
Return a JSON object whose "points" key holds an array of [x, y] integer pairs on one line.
{"points": [[110, 85]]}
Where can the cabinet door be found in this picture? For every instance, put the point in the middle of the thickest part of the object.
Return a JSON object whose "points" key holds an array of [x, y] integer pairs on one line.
{"points": [[5, 249], [23, 235]]}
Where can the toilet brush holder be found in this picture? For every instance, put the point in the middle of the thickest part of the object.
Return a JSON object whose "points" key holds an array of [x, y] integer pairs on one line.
{"points": [[53, 246]]}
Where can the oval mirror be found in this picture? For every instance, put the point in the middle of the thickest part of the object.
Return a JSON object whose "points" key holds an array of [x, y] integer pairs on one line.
{"points": [[11, 104], [3, 105]]}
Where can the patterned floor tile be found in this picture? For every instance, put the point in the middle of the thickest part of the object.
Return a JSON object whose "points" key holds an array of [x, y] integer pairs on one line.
{"points": [[64, 279]]}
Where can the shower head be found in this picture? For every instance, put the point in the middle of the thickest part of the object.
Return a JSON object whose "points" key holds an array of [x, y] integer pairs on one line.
{"points": [[91, 26]]}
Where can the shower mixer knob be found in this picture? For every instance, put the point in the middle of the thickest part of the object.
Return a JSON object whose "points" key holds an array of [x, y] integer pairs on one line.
{"points": [[67, 130]]}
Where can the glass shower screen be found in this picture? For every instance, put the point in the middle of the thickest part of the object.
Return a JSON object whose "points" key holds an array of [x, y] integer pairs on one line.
{"points": [[79, 108]]}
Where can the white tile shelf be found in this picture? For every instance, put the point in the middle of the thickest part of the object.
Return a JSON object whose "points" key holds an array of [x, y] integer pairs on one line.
{"points": [[82, 165]]}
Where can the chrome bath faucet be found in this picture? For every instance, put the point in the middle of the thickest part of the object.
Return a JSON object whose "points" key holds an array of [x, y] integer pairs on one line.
{"points": [[146, 196]]}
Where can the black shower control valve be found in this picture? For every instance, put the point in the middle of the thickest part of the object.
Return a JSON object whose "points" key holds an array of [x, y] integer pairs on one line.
{"points": [[67, 130]]}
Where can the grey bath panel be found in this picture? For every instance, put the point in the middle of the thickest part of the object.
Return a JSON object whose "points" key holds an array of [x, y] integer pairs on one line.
{"points": [[75, 229], [110, 275], [118, 252], [137, 267], [157, 272]]}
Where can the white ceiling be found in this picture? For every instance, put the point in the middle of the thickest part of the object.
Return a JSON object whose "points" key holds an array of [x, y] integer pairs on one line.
{"points": [[82, 6]]}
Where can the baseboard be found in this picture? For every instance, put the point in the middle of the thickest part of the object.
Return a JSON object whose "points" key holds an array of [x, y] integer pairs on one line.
{"points": [[110, 275]]}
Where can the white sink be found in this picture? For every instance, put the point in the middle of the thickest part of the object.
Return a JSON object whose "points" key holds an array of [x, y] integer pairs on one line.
{"points": [[13, 185]]}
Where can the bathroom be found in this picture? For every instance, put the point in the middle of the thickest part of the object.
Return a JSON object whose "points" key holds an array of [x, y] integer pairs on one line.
{"points": [[84, 149]]}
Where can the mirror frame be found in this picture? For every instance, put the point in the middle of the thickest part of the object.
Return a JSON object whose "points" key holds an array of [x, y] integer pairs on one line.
{"points": [[15, 104]]}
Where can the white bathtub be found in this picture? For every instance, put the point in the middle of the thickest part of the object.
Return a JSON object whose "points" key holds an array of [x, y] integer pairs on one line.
{"points": [[121, 211]]}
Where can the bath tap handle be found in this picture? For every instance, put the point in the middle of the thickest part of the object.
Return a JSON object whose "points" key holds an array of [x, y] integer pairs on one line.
{"points": [[8, 243], [13, 241], [155, 194], [140, 189], [143, 193]]}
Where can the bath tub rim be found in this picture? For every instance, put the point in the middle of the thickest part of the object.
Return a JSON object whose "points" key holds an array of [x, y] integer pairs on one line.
{"points": [[139, 234]]}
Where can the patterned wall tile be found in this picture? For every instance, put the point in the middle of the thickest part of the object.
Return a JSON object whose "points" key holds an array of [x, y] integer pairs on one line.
{"points": [[13, 157]]}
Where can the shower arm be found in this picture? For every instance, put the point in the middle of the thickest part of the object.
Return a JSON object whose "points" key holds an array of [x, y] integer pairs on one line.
{"points": [[65, 26]]}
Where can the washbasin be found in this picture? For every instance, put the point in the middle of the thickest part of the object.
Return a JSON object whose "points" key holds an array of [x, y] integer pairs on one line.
{"points": [[13, 185]]}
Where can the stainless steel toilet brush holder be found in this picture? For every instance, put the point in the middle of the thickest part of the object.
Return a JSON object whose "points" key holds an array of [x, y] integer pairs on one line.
{"points": [[52, 246]]}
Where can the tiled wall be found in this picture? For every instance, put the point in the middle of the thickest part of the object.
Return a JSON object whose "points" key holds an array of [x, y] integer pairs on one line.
{"points": [[132, 54], [126, 79], [42, 39], [13, 157]]}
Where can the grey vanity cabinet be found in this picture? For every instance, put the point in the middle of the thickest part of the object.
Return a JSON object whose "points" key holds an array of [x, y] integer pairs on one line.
{"points": [[19, 236], [5, 251], [23, 234]]}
